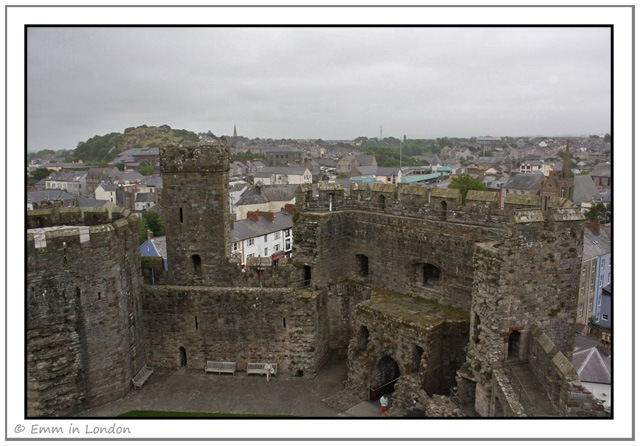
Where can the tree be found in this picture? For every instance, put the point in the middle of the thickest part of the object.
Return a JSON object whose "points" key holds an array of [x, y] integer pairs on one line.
{"points": [[465, 183], [151, 221], [607, 138], [601, 212], [40, 173]]}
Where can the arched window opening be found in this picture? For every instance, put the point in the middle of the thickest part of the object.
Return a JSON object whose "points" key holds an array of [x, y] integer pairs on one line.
{"points": [[363, 265], [362, 339], [417, 358], [197, 265]]}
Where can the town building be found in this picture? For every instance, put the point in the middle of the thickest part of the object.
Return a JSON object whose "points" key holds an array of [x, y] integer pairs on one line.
{"points": [[595, 275], [73, 182], [263, 234], [265, 199], [283, 175]]}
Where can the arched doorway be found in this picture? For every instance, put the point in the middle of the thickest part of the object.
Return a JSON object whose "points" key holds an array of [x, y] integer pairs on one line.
{"points": [[513, 353], [381, 202], [443, 209], [384, 378]]}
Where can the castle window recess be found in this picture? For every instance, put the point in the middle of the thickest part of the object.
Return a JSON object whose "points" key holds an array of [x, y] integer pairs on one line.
{"points": [[363, 265], [197, 265], [181, 216]]}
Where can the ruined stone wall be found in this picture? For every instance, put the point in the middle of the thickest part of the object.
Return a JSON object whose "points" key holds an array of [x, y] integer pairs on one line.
{"points": [[426, 340], [560, 380], [84, 333], [341, 300], [235, 324], [395, 251], [531, 276]]}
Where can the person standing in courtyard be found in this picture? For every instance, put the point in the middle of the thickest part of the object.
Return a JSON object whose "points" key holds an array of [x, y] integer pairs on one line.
{"points": [[269, 368], [384, 401]]}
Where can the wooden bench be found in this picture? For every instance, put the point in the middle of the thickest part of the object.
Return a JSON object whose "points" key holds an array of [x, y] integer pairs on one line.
{"points": [[142, 376], [220, 367], [257, 368]]}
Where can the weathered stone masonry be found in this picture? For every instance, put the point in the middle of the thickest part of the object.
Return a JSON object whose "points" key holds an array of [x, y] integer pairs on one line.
{"points": [[422, 293], [84, 313]]}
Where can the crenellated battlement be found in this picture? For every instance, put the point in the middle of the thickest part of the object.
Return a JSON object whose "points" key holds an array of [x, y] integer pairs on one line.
{"points": [[211, 156], [439, 204], [55, 228]]}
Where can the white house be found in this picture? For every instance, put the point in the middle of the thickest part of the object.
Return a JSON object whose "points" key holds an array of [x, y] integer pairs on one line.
{"points": [[106, 191], [284, 175], [263, 234]]}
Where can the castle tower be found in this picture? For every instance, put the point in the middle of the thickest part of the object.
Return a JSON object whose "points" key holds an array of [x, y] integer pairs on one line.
{"points": [[196, 211]]}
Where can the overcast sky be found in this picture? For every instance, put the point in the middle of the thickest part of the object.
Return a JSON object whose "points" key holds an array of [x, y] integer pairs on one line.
{"points": [[329, 83]]}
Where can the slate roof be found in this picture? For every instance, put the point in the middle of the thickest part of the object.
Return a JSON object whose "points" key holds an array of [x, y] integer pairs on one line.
{"points": [[260, 193], [154, 246], [140, 151], [584, 189], [67, 176], [526, 181], [131, 176], [108, 187], [592, 364], [152, 181], [595, 245], [249, 228], [284, 170], [601, 170], [386, 171], [48, 195], [145, 197], [91, 203], [364, 160]]}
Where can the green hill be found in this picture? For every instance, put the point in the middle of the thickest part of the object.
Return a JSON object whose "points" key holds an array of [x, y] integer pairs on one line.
{"points": [[107, 147]]}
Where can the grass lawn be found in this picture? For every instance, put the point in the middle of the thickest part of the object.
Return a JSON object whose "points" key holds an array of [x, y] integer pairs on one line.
{"points": [[161, 414]]}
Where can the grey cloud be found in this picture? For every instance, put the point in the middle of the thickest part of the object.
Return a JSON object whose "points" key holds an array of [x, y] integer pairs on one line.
{"points": [[317, 82]]}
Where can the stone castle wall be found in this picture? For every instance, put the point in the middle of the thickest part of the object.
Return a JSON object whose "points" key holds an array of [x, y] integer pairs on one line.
{"points": [[394, 251], [235, 324], [84, 313], [560, 379]]}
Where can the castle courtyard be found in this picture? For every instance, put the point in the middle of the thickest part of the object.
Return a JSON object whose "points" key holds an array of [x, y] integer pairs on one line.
{"points": [[186, 390]]}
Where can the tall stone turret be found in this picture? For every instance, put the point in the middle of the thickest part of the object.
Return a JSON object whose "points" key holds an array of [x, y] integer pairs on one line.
{"points": [[196, 210]]}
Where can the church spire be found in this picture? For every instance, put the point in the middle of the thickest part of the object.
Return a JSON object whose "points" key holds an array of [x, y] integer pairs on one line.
{"points": [[566, 164]]}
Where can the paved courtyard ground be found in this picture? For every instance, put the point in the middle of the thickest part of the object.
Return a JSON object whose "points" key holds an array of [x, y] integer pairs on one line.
{"points": [[185, 390]]}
